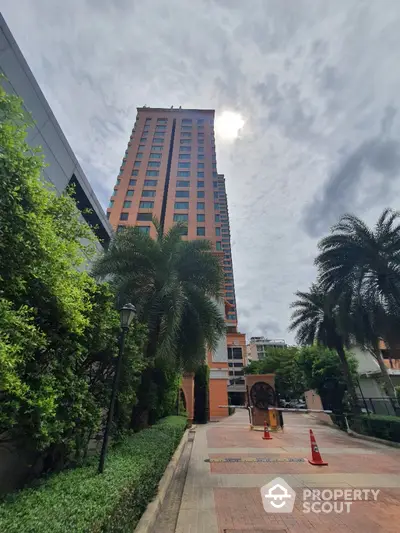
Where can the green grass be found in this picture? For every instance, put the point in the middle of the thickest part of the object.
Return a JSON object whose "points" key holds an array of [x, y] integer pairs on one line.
{"points": [[80, 500]]}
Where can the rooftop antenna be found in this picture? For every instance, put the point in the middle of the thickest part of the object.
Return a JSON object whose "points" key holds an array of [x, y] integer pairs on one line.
{"points": [[172, 107]]}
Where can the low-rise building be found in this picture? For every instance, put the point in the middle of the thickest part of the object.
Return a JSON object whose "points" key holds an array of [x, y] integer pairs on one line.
{"points": [[258, 346]]}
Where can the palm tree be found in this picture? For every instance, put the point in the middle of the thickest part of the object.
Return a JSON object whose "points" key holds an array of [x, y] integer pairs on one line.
{"points": [[365, 264], [175, 286], [315, 320]]}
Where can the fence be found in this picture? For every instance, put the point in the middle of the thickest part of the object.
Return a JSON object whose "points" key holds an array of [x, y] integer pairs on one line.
{"points": [[378, 406]]}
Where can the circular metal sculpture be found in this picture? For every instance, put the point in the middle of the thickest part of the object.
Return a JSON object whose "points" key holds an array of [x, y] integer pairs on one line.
{"points": [[262, 395]]}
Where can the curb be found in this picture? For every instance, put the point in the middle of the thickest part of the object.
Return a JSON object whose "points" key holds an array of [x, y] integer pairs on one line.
{"points": [[149, 517], [373, 439]]}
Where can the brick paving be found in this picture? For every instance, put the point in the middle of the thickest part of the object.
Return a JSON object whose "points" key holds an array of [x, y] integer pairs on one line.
{"points": [[225, 497]]}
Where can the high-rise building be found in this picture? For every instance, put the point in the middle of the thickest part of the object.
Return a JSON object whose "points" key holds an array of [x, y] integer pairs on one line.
{"points": [[62, 167], [169, 171]]}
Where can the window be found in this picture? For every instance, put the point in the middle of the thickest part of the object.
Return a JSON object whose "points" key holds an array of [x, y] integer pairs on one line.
{"points": [[146, 193], [200, 140], [136, 164], [186, 141], [215, 174], [186, 121], [132, 183], [185, 128], [162, 121], [229, 294], [144, 216], [215, 184], [118, 182], [154, 164], [181, 205], [200, 156], [139, 155], [111, 204], [218, 245], [148, 120], [200, 135], [200, 121], [216, 195], [200, 194], [181, 217], [143, 139], [143, 229], [185, 156], [185, 148], [159, 140], [146, 205], [201, 231], [150, 183], [216, 207], [152, 173], [183, 231], [181, 183], [182, 194], [183, 173], [127, 204], [156, 148], [161, 128], [141, 147], [200, 174], [200, 165], [200, 206], [129, 192], [120, 227], [217, 232], [184, 164], [123, 216], [155, 156], [200, 184], [108, 214], [135, 172], [200, 149], [186, 134], [235, 353]]}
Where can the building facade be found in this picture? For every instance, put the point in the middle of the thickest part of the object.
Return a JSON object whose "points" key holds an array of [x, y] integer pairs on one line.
{"points": [[63, 168], [169, 171], [257, 347]]}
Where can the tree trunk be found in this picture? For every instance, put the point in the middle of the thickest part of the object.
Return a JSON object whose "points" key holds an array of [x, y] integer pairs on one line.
{"points": [[389, 387], [355, 408]]}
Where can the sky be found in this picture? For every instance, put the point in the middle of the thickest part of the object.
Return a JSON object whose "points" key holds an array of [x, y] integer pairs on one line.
{"points": [[317, 84]]}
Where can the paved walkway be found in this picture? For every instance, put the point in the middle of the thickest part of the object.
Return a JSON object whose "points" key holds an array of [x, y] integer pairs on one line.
{"points": [[222, 497]]}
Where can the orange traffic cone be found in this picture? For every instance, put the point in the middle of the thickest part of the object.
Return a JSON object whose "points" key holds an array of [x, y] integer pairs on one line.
{"points": [[316, 458], [266, 435]]}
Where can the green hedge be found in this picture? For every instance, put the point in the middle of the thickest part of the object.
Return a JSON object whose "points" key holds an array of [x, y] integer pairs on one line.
{"points": [[80, 500], [383, 427]]}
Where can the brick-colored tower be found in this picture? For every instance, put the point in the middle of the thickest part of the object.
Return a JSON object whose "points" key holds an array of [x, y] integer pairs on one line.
{"points": [[170, 171]]}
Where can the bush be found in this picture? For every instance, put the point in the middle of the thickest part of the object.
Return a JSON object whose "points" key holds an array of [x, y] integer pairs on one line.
{"points": [[383, 427], [80, 500]]}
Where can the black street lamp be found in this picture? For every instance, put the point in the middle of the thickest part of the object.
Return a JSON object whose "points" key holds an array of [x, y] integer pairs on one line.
{"points": [[127, 314]]}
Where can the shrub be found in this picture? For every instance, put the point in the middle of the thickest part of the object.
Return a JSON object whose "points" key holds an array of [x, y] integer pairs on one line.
{"points": [[81, 501], [383, 427]]}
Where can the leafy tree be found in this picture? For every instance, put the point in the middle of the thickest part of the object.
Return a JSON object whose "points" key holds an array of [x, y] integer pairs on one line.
{"points": [[58, 327], [316, 320], [362, 266], [174, 285], [283, 363], [322, 371]]}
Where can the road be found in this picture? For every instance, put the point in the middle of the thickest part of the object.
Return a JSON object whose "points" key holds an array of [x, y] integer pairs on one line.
{"points": [[224, 497]]}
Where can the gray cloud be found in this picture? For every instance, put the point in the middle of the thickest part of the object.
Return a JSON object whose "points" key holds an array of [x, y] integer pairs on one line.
{"points": [[340, 193], [315, 82]]}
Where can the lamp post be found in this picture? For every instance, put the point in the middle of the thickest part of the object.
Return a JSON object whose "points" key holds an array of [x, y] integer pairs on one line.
{"points": [[127, 314]]}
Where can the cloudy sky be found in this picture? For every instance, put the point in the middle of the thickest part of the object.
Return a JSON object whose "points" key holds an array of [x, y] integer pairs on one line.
{"points": [[316, 81]]}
